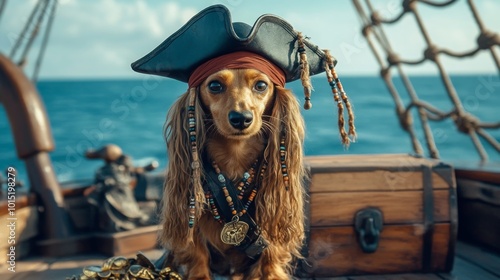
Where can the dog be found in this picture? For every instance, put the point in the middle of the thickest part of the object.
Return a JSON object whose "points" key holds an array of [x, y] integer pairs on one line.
{"points": [[237, 120], [241, 117]]}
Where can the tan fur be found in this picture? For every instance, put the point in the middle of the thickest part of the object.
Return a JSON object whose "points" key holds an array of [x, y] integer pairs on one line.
{"points": [[278, 212]]}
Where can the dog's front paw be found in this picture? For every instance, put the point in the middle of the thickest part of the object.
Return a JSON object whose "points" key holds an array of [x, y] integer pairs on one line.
{"points": [[278, 274], [198, 277], [199, 273]]}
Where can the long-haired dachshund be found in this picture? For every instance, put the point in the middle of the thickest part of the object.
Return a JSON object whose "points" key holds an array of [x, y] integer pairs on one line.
{"points": [[233, 197], [240, 114]]}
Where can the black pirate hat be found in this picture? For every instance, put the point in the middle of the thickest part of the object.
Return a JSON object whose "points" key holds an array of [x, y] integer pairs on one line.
{"points": [[211, 34]]}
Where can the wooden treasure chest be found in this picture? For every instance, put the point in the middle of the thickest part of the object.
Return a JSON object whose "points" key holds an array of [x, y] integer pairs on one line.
{"points": [[379, 214]]}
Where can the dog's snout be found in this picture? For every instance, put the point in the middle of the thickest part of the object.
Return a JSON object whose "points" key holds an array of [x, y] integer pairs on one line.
{"points": [[240, 120]]}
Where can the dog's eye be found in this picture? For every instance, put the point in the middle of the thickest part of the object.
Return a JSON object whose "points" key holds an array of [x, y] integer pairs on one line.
{"points": [[215, 87], [260, 86]]}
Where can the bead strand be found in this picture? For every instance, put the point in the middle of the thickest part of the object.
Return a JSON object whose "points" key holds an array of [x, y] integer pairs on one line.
{"points": [[213, 207], [284, 169], [222, 180], [194, 157], [191, 211], [247, 180], [253, 193]]}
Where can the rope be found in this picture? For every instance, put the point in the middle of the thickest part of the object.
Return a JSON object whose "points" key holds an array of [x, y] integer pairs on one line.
{"points": [[45, 41], [23, 33], [3, 3], [372, 28], [41, 11], [34, 33], [485, 33]]}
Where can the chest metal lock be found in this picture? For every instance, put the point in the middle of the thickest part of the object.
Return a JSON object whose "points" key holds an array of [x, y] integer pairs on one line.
{"points": [[368, 224]]}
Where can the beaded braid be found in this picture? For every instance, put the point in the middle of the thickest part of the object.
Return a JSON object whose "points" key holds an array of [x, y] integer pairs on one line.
{"points": [[336, 86], [195, 163], [350, 113], [304, 71], [328, 66], [284, 169]]}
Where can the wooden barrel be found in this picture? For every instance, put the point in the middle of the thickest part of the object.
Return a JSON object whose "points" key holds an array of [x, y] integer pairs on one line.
{"points": [[380, 214]]}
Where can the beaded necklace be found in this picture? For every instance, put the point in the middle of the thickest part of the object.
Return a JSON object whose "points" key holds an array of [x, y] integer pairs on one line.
{"points": [[245, 182]]}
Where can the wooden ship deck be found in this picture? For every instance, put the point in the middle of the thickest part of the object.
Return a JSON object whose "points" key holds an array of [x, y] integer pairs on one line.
{"points": [[471, 263]]}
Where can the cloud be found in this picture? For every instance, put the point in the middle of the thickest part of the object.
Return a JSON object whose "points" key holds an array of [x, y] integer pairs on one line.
{"points": [[451, 27], [94, 38], [98, 38]]}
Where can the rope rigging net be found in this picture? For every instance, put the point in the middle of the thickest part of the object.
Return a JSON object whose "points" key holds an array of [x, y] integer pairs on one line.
{"points": [[487, 41], [43, 13]]}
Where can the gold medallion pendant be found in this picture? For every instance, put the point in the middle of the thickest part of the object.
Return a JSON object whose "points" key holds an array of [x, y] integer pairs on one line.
{"points": [[234, 232]]}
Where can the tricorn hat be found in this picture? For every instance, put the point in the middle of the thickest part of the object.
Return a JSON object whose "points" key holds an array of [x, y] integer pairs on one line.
{"points": [[211, 34]]}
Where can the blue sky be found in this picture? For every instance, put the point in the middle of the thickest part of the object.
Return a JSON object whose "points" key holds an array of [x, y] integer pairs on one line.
{"points": [[99, 39]]}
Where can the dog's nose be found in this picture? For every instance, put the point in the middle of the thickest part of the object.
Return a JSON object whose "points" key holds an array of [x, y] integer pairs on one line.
{"points": [[240, 120]]}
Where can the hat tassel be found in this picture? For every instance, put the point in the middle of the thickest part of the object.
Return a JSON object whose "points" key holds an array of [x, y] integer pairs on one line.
{"points": [[305, 78], [340, 97]]}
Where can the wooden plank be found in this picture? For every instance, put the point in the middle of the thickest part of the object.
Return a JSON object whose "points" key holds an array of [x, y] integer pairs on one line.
{"points": [[375, 180], [465, 270], [399, 161], [26, 224], [414, 276], [440, 247], [127, 242], [82, 214], [323, 278], [479, 222], [475, 190], [72, 245], [48, 268], [26, 227], [22, 201], [24, 275], [332, 209], [335, 251], [488, 174], [447, 276], [481, 257]]}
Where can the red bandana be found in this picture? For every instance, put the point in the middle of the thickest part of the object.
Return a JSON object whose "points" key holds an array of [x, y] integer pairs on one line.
{"points": [[237, 60]]}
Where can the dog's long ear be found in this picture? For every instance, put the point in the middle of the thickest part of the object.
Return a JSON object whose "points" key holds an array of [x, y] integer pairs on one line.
{"points": [[283, 221], [178, 186]]}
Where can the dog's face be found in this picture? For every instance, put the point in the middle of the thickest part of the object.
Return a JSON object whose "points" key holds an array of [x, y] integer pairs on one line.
{"points": [[237, 99]]}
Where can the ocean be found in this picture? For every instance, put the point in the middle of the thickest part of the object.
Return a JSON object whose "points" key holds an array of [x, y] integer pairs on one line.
{"points": [[88, 114]]}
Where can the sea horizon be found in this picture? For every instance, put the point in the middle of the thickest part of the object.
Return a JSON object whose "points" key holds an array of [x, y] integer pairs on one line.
{"points": [[137, 110]]}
